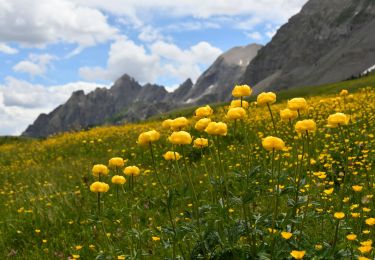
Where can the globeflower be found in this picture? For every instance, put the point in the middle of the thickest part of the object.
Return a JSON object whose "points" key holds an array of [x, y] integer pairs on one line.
{"points": [[200, 142], [203, 111], [148, 137], [265, 98], [286, 235], [99, 170], [271, 143], [339, 215], [180, 137], [357, 188], [167, 123], [202, 124], [116, 162], [337, 119], [216, 128], [297, 254], [307, 125], [99, 187], [241, 91], [236, 113], [287, 114], [132, 171], [172, 156], [117, 179], [237, 103], [297, 104], [344, 92], [370, 221], [351, 237], [179, 123]]}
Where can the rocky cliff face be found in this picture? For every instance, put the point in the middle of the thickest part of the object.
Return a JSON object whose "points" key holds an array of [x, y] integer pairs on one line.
{"points": [[327, 41], [128, 101]]}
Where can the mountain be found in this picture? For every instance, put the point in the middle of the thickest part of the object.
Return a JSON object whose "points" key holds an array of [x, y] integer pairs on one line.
{"points": [[328, 41], [128, 101]]}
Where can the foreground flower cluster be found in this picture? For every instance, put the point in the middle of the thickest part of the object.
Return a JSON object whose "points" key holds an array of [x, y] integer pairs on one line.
{"points": [[249, 180]]}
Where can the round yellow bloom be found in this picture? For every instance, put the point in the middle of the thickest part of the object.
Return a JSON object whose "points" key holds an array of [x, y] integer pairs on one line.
{"points": [[329, 191], [148, 137], [99, 169], [236, 113], [154, 238], [116, 162], [286, 235], [117, 179], [270, 143], [132, 171], [203, 111], [287, 114], [339, 215], [337, 119], [241, 91], [167, 123], [365, 249], [370, 221], [202, 124], [366, 243], [297, 254], [351, 237], [297, 104], [357, 188], [308, 125], [216, 128], [179, 123], [344, 92], [171, 156], [99, 187], [180, 137], [265, 98], [200, 142], [363, 258], [237, 103]]}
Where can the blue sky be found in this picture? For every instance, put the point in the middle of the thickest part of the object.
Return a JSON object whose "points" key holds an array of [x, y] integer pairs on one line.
{"points": [[49, 48]]}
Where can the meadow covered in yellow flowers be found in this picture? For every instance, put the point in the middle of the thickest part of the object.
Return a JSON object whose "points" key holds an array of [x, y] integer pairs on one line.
{"points": [[247, 180]]}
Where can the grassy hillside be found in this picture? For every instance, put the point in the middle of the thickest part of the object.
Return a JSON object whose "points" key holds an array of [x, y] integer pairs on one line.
{"points": [[233, 199]]}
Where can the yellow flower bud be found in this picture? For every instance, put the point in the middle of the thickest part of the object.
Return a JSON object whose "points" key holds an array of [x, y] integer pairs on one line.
{"points": [[99, 169], [265, 98], [180, 137], [99, 187], [116, 162], [117, 179], [203, 111], [236, 113], [179, 123], [132, 171], [202, 124], [270, 143], [237, 103], [200, 142], [297, 104], [214, 128], [241, 91], [287, 114], [297, 254], [171, 156], [148, 137], [337, 119], [167, 123], [305, 125]]}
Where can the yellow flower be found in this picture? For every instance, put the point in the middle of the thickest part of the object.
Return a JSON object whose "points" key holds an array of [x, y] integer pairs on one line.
{"points": [[339, 215], [286, 235], [99, 187], [148, 137], [170, 156], [297, 104], [121, 257], [117, 179], [270, 143], [167, 123], [154, 238], [214, 128], [132, 171], [180, 137], [241, 91], [357, 188], [370, 221], [202, 124], [203, 111], [265, 98], [318, 246], [366, 243], [365, 249], [116, 162], [351, 237], [99, 169], [179, 123], [297, 254], [337, 119], [237, 103], [287, 114], [363, 258], [329, 191], [236, 113], [305, 125], [344, 92], [355, 215], [75, 256], [200, 142]]}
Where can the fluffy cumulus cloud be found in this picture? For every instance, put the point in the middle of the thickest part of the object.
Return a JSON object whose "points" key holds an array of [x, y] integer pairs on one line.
{"points": [[160, 59], [21, 102], [4, 48], [35, 65], [37, 23]]}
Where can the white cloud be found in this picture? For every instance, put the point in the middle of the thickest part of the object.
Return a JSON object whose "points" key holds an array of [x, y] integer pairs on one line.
{"points": [[39, 22], [192, 26], [7, 49], [160, 60], [36, 65], [256, 36], [21, 102]]}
